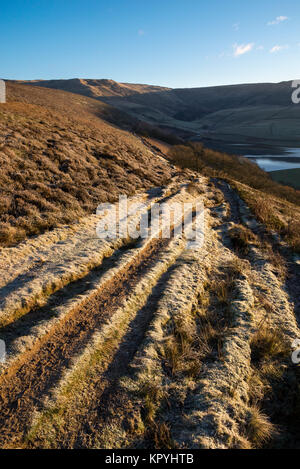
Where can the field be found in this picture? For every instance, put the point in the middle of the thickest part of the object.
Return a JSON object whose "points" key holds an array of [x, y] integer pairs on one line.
{"points": [[138, 342]]}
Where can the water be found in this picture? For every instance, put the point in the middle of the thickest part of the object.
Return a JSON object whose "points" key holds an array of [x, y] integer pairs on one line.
{"points": [[288, 160]]}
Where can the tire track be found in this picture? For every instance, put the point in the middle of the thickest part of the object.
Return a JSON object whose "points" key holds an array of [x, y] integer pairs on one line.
{"points": [[23, 388], [240, 214]]}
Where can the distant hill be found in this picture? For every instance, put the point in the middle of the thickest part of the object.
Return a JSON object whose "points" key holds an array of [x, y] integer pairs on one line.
{"points": [[287, 176], [96, 88], [249, 113]]}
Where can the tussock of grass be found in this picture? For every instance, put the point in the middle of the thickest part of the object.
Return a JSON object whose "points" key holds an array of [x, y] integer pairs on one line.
{"points": [[241, 237], [271, 385], [184, 355], [156, 431], [267, 344], [152, 394], [162, 437], [259, 429]]}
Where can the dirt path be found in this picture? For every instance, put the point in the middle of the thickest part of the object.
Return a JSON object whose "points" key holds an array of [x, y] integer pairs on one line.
{"points": [[149, 344], [25, 383], [240, 214]]}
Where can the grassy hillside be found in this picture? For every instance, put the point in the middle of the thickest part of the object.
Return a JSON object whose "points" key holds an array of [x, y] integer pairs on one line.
{"points": [[96, 88], [287, 176], [59, 159], [275, 205], [238, 113]]}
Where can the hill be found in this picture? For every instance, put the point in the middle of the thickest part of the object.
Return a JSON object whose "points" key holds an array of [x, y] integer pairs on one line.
{"points": [[96, 88], [60, 159], [138, 341], [287, 176], [249, 113]]}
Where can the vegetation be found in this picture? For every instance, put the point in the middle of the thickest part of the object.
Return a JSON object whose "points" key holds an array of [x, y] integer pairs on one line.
{"points": [[58, 161], [287, 176], [241, 238], [138, 343], [273, 204], [274, 389], [213, 163]]}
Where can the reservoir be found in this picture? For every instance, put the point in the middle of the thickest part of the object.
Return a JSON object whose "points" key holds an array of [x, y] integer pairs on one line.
{"points": [[290, 159]]}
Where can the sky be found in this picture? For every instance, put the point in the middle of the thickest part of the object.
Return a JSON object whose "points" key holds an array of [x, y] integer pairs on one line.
{"points": [[174, 43]]}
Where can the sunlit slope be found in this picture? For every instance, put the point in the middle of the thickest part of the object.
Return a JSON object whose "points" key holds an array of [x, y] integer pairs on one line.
{"points": [[59, 160], [236, 113]]}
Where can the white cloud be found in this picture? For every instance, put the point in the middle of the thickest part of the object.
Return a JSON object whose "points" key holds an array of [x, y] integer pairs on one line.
{"points": [[241, 49], [278, 48], [278, 20], [260, 48]]}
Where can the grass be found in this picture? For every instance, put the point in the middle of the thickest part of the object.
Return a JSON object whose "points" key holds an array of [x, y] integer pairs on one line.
{"points": [[241, 237], [268, 344], [69, 397], [287, 176], [274, 391], [277, 260], [213, 163], [273, 204], [277, 215], [259, 429], [60, 159], [156, 431], [190, 343]]}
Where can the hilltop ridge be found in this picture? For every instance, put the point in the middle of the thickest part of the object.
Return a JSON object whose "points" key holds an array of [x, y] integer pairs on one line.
{"points": [[243, 114], [96, 88]]}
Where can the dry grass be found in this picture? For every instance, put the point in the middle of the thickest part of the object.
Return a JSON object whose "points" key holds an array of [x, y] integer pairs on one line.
{"points": [[292, 234], [157, 432], [268, 344], [183, 353], [241, 238], [272, 203], [270, 360], [152, 394], [276, 214], [214, 163], [59, 160], [162, 437], [191, 343], [277, 260], [259, 429]]}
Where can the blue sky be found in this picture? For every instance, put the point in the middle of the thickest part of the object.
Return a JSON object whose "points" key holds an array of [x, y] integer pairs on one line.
{"points": [[176, 43]]}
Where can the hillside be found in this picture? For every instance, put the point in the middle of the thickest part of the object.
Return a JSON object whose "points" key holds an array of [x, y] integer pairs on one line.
{"points": [[287, 176], [59, 160], [143, 343], [254, 113], [140, 341], [96, 88]]}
